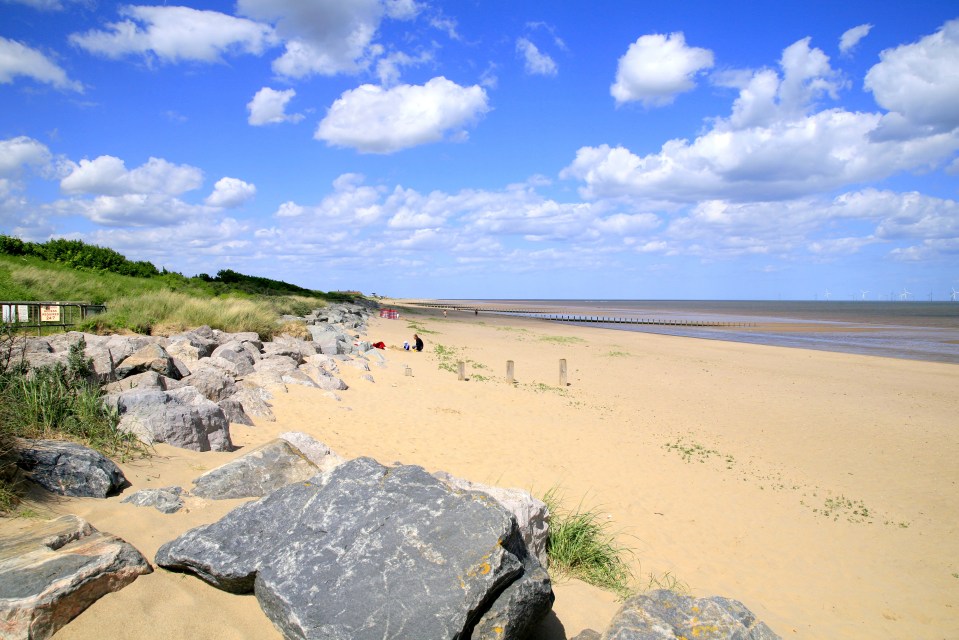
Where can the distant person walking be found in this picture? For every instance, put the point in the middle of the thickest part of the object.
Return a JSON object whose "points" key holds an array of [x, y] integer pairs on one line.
{"points": [[417, 343]]}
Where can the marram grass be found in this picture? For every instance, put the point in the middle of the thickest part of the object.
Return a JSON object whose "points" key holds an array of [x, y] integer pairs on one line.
{"points": [[581, 546]]}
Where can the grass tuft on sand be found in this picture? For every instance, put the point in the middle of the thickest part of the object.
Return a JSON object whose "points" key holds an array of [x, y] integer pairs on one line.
{"points": [[581, 546]]}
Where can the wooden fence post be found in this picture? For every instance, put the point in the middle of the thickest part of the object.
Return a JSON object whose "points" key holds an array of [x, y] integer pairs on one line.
{"points": [[562, 372], [509, 371], [462, 370]]}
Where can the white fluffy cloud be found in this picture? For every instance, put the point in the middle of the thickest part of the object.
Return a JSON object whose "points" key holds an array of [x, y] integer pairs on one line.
{"points": [[773, 145], [372, 119], [175, 34], [920, 81], [230, 193], [268, 106], [656, 68], [17, 59], [326, 37], [108, 175], [849, 39], [17, 153], [535, 61]]}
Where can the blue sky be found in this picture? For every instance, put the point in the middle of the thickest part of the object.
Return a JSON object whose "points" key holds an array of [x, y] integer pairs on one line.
{"points": [[678, 150]]}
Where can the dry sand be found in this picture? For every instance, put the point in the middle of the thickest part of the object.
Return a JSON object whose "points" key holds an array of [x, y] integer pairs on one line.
{"points": [[820, 489]]}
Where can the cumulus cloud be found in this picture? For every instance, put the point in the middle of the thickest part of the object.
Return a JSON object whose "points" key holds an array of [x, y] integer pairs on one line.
{"points": [[131, 209], [20, 152], [326, 37], [920, 81], [372, 119], [388, 67], [656, 68], [108, 175], [230, 193], [17, 59], [849, 39], [175, 34], [536, 62], [773, 146], [268, 106]]}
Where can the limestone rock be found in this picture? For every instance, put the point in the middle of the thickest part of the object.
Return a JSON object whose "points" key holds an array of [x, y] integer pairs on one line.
{"points": [[532, 515], [181, 418], [315, 451], [69, 469], [151, 357], [665, 615], [256, 403], [165, 499], [371, 552], [51, 571], [148, 380], [214, 383], [257, 473]]}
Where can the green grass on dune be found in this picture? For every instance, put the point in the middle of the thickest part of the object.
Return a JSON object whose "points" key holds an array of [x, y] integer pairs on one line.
{"points": [[161, 304]]}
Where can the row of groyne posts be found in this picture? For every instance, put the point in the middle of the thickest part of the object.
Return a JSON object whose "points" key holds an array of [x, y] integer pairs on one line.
{"points": [[563, 317]]}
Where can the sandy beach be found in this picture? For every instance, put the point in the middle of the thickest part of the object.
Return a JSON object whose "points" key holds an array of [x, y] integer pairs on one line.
{"points": [[818, 488]]}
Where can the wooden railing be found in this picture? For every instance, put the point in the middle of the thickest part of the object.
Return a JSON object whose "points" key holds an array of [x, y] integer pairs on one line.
{"points": [[18, 315]]}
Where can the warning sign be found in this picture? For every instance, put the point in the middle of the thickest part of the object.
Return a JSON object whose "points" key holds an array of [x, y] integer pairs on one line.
{"points": [[49, 313]]}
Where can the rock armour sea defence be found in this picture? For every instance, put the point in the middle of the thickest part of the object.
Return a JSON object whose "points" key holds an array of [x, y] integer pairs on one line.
{"points": [[368, 551]]}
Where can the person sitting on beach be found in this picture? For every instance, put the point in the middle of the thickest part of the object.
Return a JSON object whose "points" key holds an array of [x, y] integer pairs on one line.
{"points": [[418, 346]]}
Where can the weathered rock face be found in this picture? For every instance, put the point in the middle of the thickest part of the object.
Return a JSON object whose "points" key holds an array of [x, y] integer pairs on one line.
{"points": [[665, 615], [181, 417], [151, 357], [372, 552], [165, 499], [257, 473], [532, 515], [69, 469], [51, 571]]}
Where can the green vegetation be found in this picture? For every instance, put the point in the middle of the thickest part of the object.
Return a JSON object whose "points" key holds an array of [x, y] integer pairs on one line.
{"points": [[141, 298], [617, 354], [581, 546], [666, 580], [449, 359], [562, 339], [690, 451], [61, 402], [55, 402]]}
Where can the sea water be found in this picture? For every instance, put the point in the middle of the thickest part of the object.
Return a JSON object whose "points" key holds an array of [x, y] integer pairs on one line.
{"points": [[908, 329]]}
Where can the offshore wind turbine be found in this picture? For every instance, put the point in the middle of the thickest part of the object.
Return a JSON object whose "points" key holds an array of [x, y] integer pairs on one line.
{"points": [[905, 294], [955, 295], [827, 294], [862, 295]]}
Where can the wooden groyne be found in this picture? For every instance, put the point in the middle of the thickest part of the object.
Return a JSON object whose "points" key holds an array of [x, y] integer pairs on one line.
{"points": [[566, 317]]}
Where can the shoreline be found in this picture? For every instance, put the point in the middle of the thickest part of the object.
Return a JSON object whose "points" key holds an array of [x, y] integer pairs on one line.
{"points": [[927, 332], [738, 470]]}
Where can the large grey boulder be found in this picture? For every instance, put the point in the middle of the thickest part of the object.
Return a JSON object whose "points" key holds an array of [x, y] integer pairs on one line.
{"points": [[214, 383], [532, 515], [69, 469], [142, 381], [237, 354], [257, 473], [372, 552], [255, 402], [315, 451], [181, 418], [50, 572], [151, 357], [666, 615]]}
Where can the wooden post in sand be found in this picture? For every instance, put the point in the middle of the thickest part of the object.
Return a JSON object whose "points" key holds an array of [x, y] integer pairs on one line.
{"points": [[562, 373], [509, 372], [462, 370]]}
